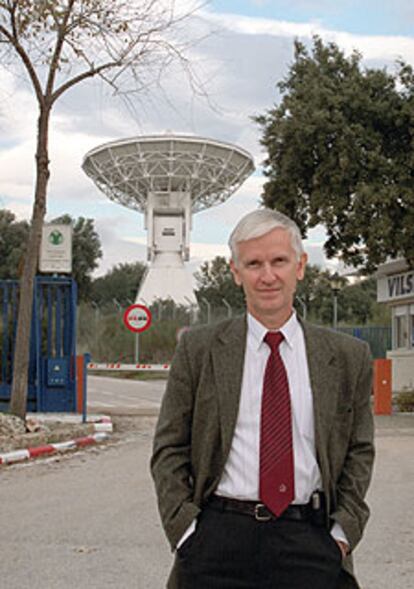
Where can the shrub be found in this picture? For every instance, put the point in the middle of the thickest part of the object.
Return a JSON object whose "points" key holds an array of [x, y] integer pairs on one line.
{"points": [[405, 401]]}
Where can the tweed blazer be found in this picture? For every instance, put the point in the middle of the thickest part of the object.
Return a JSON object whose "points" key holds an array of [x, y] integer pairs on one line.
{"points": [[199, 412]]}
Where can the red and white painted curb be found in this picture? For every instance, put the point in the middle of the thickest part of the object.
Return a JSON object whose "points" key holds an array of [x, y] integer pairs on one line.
{"points": [[29, 453], [102, 426]]}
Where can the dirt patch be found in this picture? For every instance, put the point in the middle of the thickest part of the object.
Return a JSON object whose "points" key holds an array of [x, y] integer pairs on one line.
{"points": [[11, 425], [15, 434]]}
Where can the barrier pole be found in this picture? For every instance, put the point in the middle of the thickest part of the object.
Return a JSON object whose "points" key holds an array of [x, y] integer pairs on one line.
{"points": [[382, 387]]}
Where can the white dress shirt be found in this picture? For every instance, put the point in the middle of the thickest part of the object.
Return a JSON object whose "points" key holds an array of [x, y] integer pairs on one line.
{"points": [[240, 478]]}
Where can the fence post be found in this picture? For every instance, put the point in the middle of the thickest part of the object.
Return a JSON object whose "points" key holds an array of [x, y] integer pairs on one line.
{"points": [[228, 307], [208, 305], [382, 387]]}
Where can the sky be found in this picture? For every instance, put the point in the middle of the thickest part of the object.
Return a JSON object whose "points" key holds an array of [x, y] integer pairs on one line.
{"points": [[244, 49]]}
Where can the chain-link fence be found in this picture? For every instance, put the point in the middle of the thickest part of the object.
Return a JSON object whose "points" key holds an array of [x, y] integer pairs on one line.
{"points": [[102, 333]]}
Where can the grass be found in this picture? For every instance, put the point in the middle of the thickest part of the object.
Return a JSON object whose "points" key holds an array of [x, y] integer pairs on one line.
{"points": [[405, 401]]}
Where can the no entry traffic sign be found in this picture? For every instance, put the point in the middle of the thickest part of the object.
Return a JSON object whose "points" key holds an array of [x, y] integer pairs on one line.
{"points": [[137, 318]]}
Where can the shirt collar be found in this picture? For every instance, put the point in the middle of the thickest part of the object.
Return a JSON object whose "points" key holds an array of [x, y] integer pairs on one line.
{"points": [[257, 331]]}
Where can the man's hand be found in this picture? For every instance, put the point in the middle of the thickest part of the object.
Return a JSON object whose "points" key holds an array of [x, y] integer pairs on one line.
{"points": [[344, 547]]}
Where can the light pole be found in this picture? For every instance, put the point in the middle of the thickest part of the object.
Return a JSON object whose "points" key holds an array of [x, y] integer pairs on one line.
{"points": [[336, 285]]}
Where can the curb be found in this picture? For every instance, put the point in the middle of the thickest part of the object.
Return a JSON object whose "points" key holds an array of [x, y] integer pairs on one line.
{"points": [[101, 425], [29, 453]]}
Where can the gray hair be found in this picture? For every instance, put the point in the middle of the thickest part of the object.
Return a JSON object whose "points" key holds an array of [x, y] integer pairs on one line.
{"points": [[260, 222]]}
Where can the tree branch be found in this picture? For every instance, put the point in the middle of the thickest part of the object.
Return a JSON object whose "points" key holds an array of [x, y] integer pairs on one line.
{"points": [[13, 40], [83, 76], [58, 48]]}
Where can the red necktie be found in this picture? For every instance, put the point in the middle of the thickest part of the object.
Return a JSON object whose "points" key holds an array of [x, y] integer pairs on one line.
{"points": [[276, 485]]}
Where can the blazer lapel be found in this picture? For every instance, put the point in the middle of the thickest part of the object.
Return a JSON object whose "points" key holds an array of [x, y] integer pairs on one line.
{"points": [[323, 372], [228, 361]]}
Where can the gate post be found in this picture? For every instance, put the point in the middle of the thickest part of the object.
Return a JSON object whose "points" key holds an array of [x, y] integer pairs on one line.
{"points": [[81, 383], [382, 387]]}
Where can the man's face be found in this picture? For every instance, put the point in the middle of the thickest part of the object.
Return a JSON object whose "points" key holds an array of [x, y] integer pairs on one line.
{"points": [[268, 269]]}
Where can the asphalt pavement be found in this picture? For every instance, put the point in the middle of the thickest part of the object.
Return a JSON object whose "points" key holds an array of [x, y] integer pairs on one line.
{"points": [[116, 396], [90, 520]]}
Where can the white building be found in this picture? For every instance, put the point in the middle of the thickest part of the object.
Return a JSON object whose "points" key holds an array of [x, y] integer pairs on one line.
{"points": [[395, 286]]}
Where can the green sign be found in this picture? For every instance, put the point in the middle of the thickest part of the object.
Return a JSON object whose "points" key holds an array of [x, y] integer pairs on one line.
{"points": [[55, 237]]}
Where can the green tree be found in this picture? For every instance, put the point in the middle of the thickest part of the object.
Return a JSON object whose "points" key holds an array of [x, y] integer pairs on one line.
{"points": [[340, 153], [58, 44], [120, 283], [86, 251], [315, 290], [86, 247], [357, 303], [13, 243], [215, 283]]}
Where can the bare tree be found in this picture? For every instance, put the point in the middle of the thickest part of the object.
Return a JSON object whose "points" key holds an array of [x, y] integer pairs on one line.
{"points": [[59, 44]]}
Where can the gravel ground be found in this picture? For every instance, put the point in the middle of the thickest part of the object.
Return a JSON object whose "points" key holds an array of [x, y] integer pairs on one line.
{"points": [[45, 434]]}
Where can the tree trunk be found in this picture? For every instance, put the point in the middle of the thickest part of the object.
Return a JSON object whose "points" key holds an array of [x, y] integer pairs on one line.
{"points": [[18, 401]]}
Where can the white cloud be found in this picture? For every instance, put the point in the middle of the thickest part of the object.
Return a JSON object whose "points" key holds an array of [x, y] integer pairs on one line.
{"points": [[18, 111], [373, 47], [240, 203], [241, 62]]}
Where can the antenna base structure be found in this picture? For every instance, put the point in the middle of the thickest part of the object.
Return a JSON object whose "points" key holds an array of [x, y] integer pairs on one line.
{"points": [[168, 178]]}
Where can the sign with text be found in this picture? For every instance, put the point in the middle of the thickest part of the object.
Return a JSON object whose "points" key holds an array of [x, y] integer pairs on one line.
{"points": [[56, 249], [395, 287], [137, 318]]}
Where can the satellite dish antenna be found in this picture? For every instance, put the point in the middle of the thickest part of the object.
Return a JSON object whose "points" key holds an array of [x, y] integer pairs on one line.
{"points": [[168, 178]]}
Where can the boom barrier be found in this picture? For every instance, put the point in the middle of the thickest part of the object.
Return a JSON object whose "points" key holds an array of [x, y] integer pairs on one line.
{"points": [[114, 366]]}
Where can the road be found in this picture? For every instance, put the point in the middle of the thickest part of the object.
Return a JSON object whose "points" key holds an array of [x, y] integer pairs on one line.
{"points": [[385, 559], [115, 395], [89, 520]]}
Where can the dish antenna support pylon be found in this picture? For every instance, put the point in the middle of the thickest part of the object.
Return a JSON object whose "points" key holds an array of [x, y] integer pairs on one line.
{"points": [[168, 178]]}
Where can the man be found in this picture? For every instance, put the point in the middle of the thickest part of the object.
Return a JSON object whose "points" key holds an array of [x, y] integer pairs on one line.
{"points": [[263, 450]]}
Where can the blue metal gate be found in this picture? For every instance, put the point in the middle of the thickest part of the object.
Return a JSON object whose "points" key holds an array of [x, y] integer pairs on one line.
{"points": [[52, 370]]}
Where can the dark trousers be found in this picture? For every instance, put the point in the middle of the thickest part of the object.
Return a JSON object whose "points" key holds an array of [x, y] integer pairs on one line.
{"points": [[234, 551]]}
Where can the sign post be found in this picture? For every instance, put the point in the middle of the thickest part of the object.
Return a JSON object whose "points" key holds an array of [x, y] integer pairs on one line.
{"points": [[136, 356], [137, 318]]}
